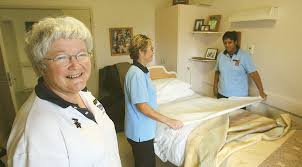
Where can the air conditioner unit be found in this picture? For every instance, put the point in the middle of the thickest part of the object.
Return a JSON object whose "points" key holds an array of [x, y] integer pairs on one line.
{"points": [[257, 14]]}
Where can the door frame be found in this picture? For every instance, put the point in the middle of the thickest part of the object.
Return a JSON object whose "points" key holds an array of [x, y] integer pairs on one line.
{"points": [[6, 68], [95, 59], [94, 69]]}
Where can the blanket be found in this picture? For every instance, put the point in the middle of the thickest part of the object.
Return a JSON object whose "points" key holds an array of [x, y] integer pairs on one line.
{"points": [[170, 144], [210, 144]]}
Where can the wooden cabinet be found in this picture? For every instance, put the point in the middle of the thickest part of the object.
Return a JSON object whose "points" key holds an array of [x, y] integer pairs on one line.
{"points": [[175, 43]]}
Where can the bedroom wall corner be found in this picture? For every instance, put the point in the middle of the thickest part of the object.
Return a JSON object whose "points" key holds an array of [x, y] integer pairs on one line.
{"points": [[277, 49]]}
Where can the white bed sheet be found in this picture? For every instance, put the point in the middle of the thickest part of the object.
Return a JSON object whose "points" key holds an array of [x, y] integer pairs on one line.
{"points": [[170, 144], [171, 89]]}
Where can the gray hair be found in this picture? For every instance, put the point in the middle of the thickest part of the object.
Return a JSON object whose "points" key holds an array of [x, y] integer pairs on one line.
{"points": [[48, 30]]}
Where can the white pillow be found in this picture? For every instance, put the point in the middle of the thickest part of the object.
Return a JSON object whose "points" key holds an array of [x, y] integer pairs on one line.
{"points": [[170, 89]]}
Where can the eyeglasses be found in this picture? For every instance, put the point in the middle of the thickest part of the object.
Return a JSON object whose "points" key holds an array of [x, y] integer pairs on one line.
{"points": [[64, 60]]}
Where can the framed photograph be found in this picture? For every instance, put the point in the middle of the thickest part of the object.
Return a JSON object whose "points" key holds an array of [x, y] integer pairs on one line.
{"points": [[198, 24], [175, 2], [120, 40], [211, 53], [214, 22], [205, 27]]}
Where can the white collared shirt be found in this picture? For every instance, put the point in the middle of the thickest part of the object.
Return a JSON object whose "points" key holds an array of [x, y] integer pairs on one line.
{"points": [[45, 135]]}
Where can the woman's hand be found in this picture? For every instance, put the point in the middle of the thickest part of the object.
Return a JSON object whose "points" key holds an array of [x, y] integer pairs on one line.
{"points": [[175, 124]]}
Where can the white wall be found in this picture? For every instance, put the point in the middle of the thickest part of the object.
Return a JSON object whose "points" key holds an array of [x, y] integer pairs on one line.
{"points": [[276, 55], [277, 48], [139, 14], [176, 44], [166, 47], [175, 40], [193, 45]]}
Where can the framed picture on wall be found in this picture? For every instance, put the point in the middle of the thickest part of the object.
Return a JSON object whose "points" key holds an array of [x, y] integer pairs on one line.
{"points": [[175, 2], [211, 53], [214, 22], [198, 24], [120, 40]]}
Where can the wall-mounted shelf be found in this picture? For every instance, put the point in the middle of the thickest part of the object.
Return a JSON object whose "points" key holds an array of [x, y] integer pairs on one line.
{"points": [[206, 32], [201, 2], [201, 59], [258, 14]]}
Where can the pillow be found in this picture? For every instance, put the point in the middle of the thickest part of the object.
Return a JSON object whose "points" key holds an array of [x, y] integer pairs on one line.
{"points": [[170, 89]]}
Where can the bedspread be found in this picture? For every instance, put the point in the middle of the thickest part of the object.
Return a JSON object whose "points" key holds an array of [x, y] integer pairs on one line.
{"points": [[170, 144], [210, 144]]}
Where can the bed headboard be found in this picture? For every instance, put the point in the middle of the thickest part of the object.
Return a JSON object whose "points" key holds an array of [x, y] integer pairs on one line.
{"points": [[160, 72]]}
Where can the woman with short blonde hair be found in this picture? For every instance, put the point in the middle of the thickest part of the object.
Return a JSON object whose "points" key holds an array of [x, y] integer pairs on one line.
{"points": [[140, 104]]}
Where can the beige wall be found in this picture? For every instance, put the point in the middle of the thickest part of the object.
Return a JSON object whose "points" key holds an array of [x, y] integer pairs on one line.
{"points": [[277, 48], [276, 55], [139, 14]]}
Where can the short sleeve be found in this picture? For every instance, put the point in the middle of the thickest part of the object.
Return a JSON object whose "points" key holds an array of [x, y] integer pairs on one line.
{"points": [[138, 88], [248, 64], [217, 62]]}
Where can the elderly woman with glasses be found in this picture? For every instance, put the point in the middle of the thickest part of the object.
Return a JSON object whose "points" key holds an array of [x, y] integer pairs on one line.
{"points": [[62, 124]]}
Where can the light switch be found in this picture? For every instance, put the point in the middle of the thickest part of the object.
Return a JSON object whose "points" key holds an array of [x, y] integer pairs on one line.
{"points": [[251, 49]]}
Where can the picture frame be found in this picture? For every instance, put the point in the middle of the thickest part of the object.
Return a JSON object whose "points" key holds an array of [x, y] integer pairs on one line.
{"points": [[198, 24], [175, 2], [205, 27], [211, 53], [214, 21], [120, 40]]}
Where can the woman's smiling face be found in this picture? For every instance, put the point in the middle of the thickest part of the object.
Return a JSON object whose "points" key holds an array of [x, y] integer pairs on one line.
{"points": [[70, 78], [230, 45]]}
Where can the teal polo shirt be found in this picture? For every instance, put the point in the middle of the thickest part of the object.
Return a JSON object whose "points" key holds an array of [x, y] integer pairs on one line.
{"points": [[234, 70], [138, 88]]}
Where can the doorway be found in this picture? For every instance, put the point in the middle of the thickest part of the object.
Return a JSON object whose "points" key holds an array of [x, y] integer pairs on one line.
{"points": [[7, 110], [17, 78]]}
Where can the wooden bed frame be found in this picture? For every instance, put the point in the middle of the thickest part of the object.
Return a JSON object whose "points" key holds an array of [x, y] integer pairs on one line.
{"points": [[160, 72]]}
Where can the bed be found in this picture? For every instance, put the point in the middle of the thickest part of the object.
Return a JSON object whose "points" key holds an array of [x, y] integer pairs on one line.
{"points": [[214, 129]]}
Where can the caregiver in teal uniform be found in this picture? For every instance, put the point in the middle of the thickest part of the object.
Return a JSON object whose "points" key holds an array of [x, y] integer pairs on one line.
{"points": [[140, 104], [233, 67]]}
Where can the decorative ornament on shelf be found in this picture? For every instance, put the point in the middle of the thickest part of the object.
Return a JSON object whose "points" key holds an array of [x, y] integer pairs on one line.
{"points": [[211, 53], [198, 24], [269, 13], [214, 21], [201, 2]]}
